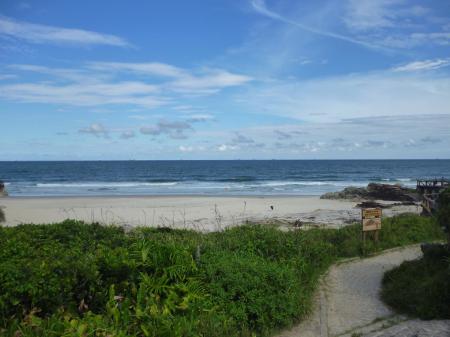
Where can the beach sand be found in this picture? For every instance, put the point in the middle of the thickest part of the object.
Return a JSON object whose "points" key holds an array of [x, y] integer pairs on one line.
{"points": [[209, 213]]}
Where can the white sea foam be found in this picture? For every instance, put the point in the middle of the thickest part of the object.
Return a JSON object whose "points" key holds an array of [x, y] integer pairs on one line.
{"points": [[105, 184]]}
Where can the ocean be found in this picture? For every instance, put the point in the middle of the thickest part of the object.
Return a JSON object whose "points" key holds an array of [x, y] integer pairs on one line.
{"points": [[204, 177]]}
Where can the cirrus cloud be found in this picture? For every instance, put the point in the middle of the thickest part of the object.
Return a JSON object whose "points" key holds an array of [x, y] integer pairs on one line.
{"points": [[37, 33]]}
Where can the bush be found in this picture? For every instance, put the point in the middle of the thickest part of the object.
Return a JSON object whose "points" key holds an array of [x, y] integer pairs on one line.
{"points": [[255, 293], [75, 279], [443, 214], [419, 288]]}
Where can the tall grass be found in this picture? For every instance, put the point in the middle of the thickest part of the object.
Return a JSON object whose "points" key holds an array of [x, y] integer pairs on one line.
{"points": [[76, 279]]}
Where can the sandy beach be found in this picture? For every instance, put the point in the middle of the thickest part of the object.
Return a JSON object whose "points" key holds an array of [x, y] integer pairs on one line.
{"points": [[194, 212]]}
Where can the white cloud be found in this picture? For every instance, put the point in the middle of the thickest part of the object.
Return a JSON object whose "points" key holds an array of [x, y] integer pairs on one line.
{"points": [[351, 96], [413, 40], [183, 148], [241, 139], [226, 147], [127, 134], [197, 118], [173, 129], [424, 65], [95, 129], [363, 15], [84, 94], [97, 84], [203, 82], [37, 33], [396, 23], [4, 77], [211, 82], [146, 68]]}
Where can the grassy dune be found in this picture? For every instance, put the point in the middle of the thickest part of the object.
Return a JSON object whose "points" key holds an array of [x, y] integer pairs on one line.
{"points": [[76, 279]]}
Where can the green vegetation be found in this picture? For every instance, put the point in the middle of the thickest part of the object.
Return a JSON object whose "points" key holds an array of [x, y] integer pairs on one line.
{"points": [[75, 279], [422, 288], [443, 215]]}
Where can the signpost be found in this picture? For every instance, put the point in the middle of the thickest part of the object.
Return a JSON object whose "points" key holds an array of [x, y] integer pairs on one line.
{"points": [[371, 221]]}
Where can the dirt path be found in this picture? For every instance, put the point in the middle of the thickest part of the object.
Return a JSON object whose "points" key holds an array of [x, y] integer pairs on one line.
{"points": [[347, 303]]}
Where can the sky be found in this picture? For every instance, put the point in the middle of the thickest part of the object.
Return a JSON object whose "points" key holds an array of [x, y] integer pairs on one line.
{"points": [[210, 79]]}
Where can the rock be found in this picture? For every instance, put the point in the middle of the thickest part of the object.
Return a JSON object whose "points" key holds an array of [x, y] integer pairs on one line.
{"points": [[372, 204], [389, 192], [375, 191], [3, 192], [349, 193]]}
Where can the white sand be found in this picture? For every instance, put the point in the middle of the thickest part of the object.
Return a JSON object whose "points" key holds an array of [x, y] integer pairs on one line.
{"points": [[200, 213]]}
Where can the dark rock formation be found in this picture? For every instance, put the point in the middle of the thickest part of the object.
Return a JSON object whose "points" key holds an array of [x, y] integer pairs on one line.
{"points": [[3, 192], [375, 191], [374, 204], [349, 193], [390, 192]]}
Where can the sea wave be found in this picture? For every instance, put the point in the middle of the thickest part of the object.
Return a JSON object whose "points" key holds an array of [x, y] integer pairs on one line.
{"points": [[313, 183], [106, 184]]}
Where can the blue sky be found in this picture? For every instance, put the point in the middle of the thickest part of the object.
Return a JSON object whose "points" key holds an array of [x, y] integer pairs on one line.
{"points": [[216, 79]]}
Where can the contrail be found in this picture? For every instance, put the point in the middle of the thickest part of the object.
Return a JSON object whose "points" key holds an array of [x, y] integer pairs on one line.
{"points": [[260, 7]]}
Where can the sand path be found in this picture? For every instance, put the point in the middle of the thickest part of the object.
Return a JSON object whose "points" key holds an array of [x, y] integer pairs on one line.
{"points": [[348, 303]]}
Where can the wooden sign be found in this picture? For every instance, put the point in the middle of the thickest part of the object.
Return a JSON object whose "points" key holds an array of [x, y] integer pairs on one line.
{"points": [[371, 219]]}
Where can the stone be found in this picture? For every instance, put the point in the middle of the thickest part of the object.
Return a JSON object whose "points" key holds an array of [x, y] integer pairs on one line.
{"points": [[3, 192], [375, 191]]}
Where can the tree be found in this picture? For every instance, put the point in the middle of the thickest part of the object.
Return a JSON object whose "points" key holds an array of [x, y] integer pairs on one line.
{"points": [[443, 214]]}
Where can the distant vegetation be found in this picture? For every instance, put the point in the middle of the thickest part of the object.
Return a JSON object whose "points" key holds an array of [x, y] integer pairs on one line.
{"points": [[75, 279], [422, 288]]}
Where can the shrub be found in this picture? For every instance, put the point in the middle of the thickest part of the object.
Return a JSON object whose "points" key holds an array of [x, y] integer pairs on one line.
{"points": [[443, 214], [257, 294], [74, 279], [419, 288]]}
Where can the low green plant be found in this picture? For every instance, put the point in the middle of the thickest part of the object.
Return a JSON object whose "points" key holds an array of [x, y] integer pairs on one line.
{"points": [[443, 214], [420, 288], [76, 279]]}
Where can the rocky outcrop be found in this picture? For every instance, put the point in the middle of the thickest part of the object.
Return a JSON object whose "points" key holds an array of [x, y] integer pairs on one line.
{"points": [[348, 193], [390, 192], [375, 191], [3, 192]]}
